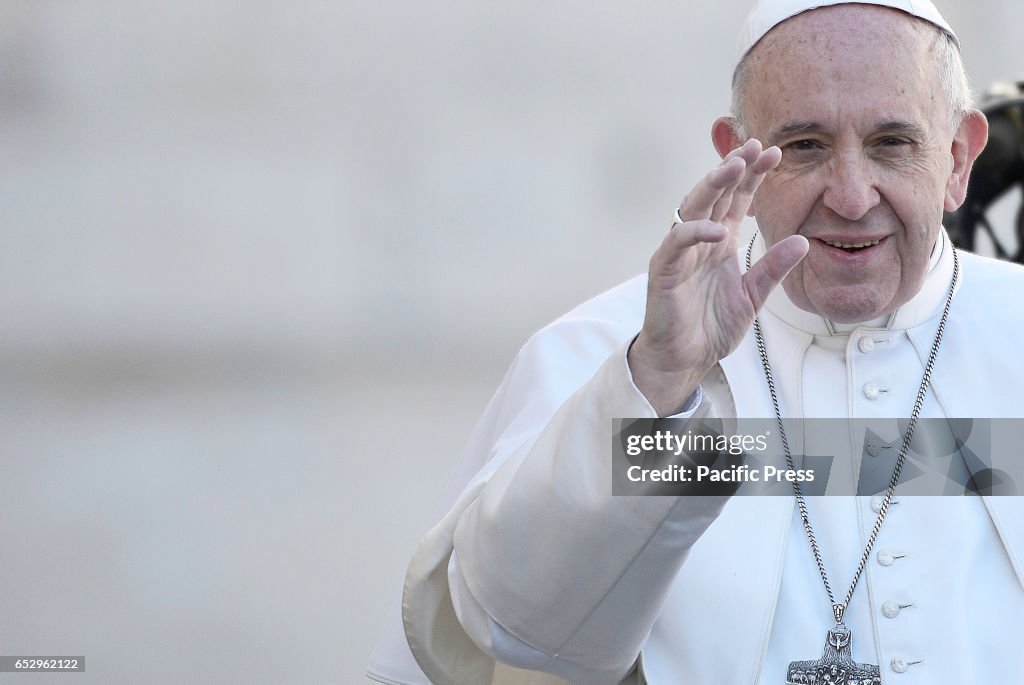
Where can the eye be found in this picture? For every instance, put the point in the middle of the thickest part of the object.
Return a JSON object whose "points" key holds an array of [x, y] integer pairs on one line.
{"points": [[803, 150], [893, 147], [803, 145], [894, 143]]}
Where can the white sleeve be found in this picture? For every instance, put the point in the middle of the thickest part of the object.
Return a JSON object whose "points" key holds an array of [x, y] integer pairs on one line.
{"points": [[502, 646], [549, 570]]}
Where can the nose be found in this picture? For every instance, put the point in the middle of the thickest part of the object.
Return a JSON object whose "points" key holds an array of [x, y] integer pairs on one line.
{"points": [[851, 191]]}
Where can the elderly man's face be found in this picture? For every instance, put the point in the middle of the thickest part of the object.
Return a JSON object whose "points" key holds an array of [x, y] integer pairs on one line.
{"points": [[851, 94]]}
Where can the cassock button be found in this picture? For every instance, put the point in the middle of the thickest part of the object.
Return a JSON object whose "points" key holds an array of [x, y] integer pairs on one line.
{"points": [[871, 391], [890, 610], [866, 345], [899, 665], [885, 557], [876, 503]]}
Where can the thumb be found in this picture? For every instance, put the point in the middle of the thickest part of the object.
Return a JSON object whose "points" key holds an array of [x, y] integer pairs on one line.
{"points": [[774, 266]]}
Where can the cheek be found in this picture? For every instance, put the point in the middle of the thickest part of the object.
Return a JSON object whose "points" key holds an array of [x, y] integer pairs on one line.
{"points": [[781, 208], [916, 251], [921, 217], [918, 199]]}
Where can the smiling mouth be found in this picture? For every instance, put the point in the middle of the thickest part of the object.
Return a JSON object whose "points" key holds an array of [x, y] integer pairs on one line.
{"points": [[852, 247]]}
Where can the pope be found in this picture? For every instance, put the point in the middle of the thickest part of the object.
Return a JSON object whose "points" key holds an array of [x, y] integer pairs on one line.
{"points": [[851, 131]]}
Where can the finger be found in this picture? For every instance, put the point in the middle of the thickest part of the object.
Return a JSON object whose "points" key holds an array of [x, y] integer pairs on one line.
{"points": [[743, 196], [765, 274], [750, 152], [721, 208], [724, 202], [665, 261], [767, 160], [700, 203]]}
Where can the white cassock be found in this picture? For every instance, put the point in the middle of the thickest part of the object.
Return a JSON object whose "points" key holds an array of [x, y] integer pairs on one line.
{"points": [[536, 563]]}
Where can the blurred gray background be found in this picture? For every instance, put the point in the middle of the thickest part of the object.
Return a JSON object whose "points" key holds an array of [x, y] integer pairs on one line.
{"points": [[263, 263]]}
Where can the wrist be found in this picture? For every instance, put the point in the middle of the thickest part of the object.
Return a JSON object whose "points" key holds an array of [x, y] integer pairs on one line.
{"points": [[668, 386]]}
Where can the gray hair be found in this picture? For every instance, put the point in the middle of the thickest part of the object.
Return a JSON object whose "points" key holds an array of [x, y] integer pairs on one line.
{"points": [[952, 76]]}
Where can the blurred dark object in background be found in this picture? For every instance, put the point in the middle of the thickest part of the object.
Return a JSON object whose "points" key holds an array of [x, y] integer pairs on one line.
{"points": [[999, 168]]}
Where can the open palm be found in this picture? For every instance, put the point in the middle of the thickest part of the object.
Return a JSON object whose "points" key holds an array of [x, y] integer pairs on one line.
{"points": [[699, 304]]}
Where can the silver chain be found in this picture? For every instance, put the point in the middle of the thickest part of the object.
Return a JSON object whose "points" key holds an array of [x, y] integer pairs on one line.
{"points": [[837, 608]]}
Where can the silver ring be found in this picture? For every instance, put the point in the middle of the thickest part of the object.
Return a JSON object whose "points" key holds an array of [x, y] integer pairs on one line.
{"points": [[678, 219]]}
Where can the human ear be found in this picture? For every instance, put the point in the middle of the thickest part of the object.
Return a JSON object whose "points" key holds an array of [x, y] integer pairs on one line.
{"points": [[969, 141], [723, 135]]}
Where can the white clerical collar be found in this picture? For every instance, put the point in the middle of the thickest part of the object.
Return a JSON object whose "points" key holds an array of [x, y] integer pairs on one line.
{"points": [[927, 303]]}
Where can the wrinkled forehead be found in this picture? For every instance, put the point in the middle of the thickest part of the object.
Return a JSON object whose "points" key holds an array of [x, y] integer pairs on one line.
{"points": [[867, 62], [767, 14], [844, 37], [849, 69]]}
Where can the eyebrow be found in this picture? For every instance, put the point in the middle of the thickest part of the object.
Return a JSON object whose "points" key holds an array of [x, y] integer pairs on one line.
{"points": [[793, 128], [904, 127]]}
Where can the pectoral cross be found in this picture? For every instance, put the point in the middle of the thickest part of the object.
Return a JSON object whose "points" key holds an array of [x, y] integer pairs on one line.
{"points": [[836, 665]]}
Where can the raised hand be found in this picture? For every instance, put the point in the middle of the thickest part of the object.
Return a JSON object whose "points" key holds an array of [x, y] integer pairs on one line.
{"points": [[699, 304]]}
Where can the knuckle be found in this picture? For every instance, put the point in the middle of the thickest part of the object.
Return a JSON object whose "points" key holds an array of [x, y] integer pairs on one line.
{"points": [[679, 231], [676, 237]]}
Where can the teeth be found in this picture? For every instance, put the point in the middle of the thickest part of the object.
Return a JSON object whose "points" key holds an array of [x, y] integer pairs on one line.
{"points": [[851, 246]]}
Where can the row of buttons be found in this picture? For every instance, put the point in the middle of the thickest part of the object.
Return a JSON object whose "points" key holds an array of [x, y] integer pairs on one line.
{"points": [[890, 609], [872, 390]]}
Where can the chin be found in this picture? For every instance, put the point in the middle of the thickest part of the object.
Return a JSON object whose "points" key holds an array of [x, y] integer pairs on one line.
{"points": [[852, 317], [852, 304], [849, 304], [857, 311]]}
